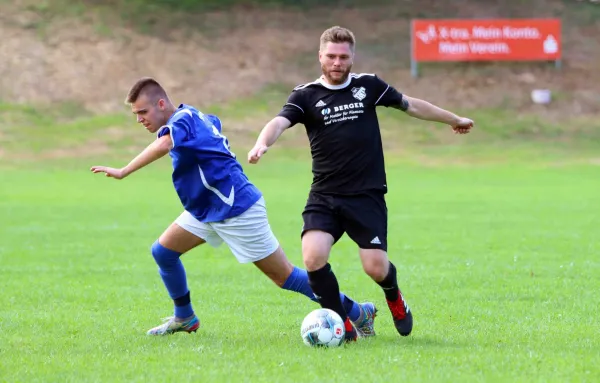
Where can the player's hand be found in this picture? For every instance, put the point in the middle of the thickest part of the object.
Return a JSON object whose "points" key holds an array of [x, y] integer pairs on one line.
{"points": [[463, 126], [117, 174], [256, 153]]}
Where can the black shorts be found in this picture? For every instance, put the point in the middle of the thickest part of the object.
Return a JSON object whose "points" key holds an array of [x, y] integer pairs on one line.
{"points": [[363, 217]]}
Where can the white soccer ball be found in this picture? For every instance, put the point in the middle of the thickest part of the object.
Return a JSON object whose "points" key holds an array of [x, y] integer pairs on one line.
{"points": [[323, 328]]}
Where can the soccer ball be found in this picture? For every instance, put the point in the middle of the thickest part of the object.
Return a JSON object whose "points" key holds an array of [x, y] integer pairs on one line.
{"points": [[323, 328]]}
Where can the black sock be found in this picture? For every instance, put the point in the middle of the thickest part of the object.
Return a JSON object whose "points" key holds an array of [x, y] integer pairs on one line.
{"points": [[390, 284], [325, 286], [183, 300]]}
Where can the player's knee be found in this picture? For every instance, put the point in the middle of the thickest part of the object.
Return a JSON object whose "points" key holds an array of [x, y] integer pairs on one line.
{"points": [[375, 264], [375, 270], [313, 262], [164, 257], [316, 246]]}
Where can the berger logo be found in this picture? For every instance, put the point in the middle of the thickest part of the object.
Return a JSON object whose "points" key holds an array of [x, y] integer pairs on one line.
{"points": [[354, 105], [359, 93], [325, 111]]}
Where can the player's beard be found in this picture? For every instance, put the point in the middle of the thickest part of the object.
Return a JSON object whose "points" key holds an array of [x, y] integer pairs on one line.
{"points": [[336, 80]]}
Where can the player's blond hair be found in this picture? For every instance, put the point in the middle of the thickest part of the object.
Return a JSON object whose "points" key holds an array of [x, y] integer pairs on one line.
{"points": [[147, 86], [338, 35]]}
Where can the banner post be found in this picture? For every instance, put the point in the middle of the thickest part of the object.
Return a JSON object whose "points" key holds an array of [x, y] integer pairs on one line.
{"points": [[414, 66]]}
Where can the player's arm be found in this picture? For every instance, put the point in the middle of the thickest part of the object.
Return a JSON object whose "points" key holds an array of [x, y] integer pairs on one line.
{"points": [[157, 149], [291, 114], [267, 137], [424, 110], [418, 108]]}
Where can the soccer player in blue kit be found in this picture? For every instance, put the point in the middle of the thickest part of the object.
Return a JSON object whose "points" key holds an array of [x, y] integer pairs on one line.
{"points": [[220, 205]]}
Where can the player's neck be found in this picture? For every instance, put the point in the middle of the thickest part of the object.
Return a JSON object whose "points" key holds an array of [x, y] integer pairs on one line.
{"points": [[328, 84], [170, 111]]}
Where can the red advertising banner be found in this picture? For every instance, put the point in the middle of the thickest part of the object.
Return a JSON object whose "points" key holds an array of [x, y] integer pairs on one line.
{"points": [[486, 40]]}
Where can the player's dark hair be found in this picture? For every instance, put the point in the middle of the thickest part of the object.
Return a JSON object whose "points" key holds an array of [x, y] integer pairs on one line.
{"points": [[338, 35], [147, 86]]}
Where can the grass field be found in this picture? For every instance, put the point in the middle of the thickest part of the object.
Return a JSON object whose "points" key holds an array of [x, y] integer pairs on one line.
{"points": [[495, 234], [500, 264]]}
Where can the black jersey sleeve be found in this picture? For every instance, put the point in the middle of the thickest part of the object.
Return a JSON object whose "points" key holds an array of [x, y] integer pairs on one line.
{"points": [[389, 96], [293, 109]]}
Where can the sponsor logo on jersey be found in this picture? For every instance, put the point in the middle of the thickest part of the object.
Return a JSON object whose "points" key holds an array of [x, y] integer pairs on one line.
{"points": [[354, 105], [344, 112]]}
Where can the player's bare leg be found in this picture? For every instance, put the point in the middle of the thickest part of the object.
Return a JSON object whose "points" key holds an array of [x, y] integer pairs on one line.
{"points": [[316, 246], [276, 266], [178, 239], [377, 265], [174, 242]]}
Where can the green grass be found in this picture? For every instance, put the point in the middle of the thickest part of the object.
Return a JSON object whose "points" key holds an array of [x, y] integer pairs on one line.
{"points": [[499, 264], [501, 136], [496, 247]]}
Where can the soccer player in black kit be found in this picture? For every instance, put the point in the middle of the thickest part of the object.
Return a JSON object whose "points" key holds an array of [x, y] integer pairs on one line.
{"points": [[349, 180]]}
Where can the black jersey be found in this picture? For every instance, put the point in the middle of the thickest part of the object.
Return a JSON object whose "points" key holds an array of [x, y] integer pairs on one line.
{"points": [[343, 130]]}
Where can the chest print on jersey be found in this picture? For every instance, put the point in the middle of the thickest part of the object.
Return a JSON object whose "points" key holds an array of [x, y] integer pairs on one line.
{"points": [[359, 93], [340, 113]]}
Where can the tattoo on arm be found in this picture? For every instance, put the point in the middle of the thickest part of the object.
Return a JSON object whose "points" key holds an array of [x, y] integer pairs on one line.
{"points": [[403, 106]]}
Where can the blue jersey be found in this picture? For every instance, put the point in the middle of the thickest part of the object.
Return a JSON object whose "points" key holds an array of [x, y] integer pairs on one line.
{"points": [[209, 180]]}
